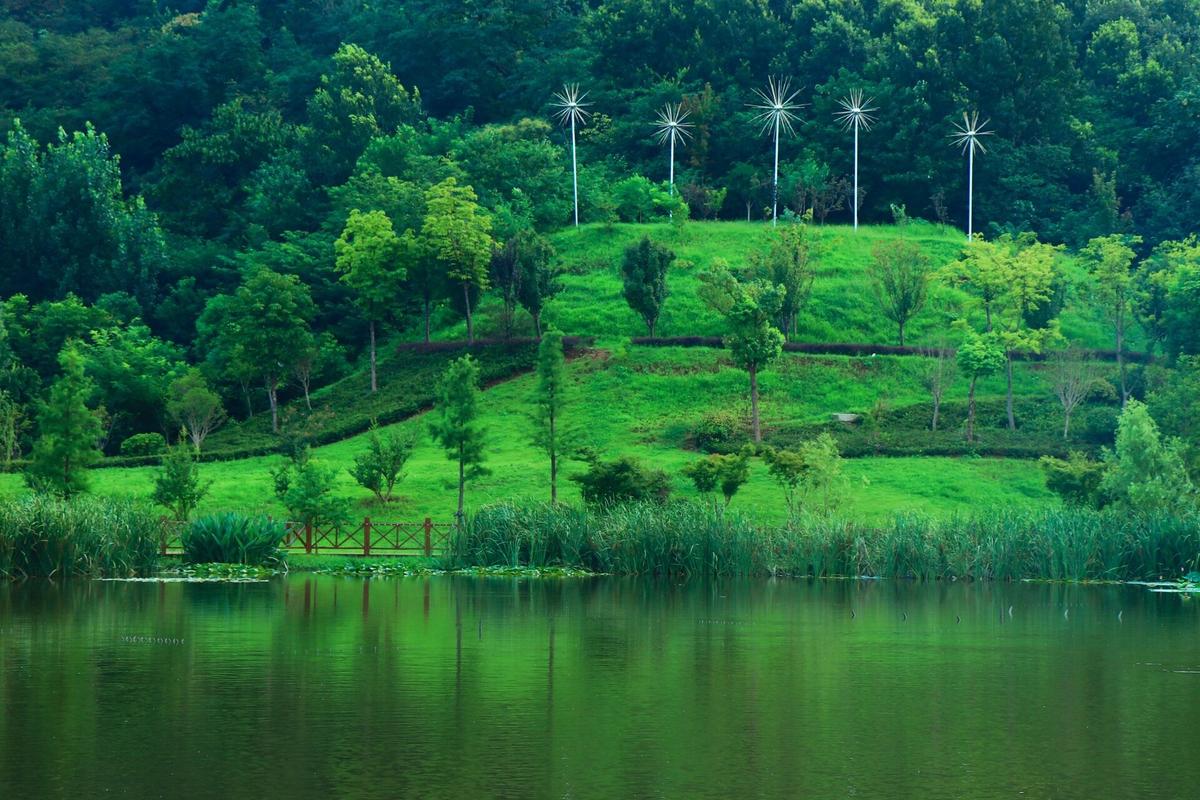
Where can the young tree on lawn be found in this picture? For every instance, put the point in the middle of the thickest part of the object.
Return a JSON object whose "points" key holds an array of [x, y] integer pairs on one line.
{"points": [[539, 279], [899, 274], [788, 262], [982, 272], [426, 283], [939, 375], [457, 234], [67, 432], [750, 308], [1031, 268], [980, 355], [725, 472], [381, 466], [196, 407], [1110, 259], [455, 424], [177, 486], [368, 257], [1073, 375], [305, 486], [644, 274], [1146, 470], [549, 400]]}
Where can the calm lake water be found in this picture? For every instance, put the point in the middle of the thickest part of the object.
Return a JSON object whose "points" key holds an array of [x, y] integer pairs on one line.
{"points": [[320, 687]]}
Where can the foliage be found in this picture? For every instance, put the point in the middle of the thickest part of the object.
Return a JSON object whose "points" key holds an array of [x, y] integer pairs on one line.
{"points": [[728, 473], [788, 262], [68, 432], [305, 486], [719, 431], [550, 397], [45, 536], [622, 480], [978, 356], [1110, 259], [456, 422], [1145, 471], [368, 258], [381, 465], [457, 234], [1076, 480], [233, 538], [194, 406], [644, 270], [177, 486], [144, 444]]}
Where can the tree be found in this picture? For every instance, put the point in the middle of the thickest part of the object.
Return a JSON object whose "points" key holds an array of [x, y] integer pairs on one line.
{"points": [[457, 233], [368, 257], [305, 486], [1076, 480], [983, 272], [1182, 314], [979, 356], [177, 486], [323, 357], [788, 262], [644, 275], [456, 422], [539, 279], [624, 480], [1153, 281], [265, 330], [381, 466], [749, 308], [196, 407], [939, 376], [1030, 266], [1146, 472], [67, 433], [725, 472], [1110, 259], [549, 401], [899, 275], [1073, 375]]}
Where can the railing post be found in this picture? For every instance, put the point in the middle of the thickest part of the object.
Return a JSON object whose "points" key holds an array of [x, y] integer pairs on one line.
{"points": [[428, 538], [308, 537], [366, 536]]}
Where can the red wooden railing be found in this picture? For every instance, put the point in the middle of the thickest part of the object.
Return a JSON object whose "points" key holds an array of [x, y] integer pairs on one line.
{"points": [[424, 538]]}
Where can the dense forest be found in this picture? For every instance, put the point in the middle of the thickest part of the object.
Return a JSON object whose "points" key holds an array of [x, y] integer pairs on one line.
{"points": [[176, 172]]}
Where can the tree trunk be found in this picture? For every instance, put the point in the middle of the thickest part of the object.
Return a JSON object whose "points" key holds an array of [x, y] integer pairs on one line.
{"points": [[987, 307], [901, 325], [274, 400], [754, 404], [1121, 362], [470, 323], [747, 212], [462, 484], [374, 379], [307, 397], [249, 401], [937, 407], [427, 314], [1008, 400], [553, 460], [537, 323], [971, 411], [1066, 424]]}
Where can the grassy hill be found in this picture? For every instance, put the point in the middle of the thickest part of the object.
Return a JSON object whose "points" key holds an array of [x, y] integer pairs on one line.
{"points": [[650, 401]]}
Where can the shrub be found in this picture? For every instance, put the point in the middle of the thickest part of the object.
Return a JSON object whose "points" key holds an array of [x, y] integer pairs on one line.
{"points": [[381, 465], [720, 431], [51, 537], [144, 444], [624, 480], [1076, 480], [232, 538]]}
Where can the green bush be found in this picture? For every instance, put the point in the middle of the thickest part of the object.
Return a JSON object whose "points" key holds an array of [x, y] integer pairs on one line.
{"points": [[144, 444], [232, 538], [1076, 480], [44, 536], [624, 480], [720, 431]]}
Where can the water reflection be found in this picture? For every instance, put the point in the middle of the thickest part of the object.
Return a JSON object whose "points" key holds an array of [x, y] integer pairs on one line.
{"points": [[310, 687]]}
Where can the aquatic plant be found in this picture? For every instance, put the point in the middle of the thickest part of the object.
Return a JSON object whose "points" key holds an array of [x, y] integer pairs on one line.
{"points": [[232, 538], [46, 536], [685, 538]]}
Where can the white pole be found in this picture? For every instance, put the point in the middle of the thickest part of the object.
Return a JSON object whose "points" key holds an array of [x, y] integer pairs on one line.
{"points": [[856, 175], [970, 192], [672, 166], [575, 171], [775, 184]]}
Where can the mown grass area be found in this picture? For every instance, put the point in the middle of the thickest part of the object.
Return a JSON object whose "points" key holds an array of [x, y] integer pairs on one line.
{"points": [[842, 308], [645, 402]]}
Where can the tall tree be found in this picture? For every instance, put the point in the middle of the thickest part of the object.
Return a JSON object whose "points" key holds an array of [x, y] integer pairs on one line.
{"points": [[644, 275], [789, 262], [899, 275], [455, 425], [68, 432], [978, 357], [194, 406], [549, 400], [1031, 270], [1110, 259], [750, 309], [457, 233], [539, 279], [368, 257]]}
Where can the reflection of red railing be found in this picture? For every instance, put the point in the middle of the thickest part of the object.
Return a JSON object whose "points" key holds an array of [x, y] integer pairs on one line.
{"points": [[368, 538]]}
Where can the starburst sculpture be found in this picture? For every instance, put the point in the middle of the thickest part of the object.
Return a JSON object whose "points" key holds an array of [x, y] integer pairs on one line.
{"points": [[856, 115], [967, 136], [777, 111], [671, 128], [572, 111]]}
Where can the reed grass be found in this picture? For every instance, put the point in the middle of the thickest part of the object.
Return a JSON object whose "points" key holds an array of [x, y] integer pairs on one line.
{"points": [[685, 538], [233, 538], [43, 536]]}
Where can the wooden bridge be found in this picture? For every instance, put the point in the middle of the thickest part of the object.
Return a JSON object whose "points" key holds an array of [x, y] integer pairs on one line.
{"points": [[368, 538]]}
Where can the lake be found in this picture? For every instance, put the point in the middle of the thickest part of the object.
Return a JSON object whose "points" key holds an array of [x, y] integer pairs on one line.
{"points": [[322, 687]]}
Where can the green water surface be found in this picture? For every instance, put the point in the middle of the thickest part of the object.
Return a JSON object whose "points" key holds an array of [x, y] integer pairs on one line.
{"points": [[320, 687]]}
